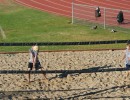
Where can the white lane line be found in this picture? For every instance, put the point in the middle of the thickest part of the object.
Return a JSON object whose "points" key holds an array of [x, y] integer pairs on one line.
{"points": [[20, 2], [49, 6], [119, 7]]}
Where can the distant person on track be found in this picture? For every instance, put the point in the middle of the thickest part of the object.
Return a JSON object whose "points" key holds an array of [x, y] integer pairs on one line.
{"points": [[127, 56], [120, 17], [97, 12], [34, 61]]}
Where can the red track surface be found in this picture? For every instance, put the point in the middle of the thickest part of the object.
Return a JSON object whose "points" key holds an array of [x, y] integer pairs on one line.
{"points": [[2, 1], [64, 8]]}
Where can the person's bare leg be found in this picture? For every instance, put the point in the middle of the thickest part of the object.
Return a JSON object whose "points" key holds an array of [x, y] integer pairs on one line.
{"points": [[29, 76], [44, 75], [127, 73]]}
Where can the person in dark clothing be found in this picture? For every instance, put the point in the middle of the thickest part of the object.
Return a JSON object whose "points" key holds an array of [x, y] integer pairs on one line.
{"points": [[97, 12], [120, 17]]}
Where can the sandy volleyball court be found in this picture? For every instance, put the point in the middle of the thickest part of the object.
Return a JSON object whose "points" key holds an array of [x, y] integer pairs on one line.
{"points": [[108, 84]]}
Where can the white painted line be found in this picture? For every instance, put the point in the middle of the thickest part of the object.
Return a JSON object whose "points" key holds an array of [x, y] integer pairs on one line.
{"points": [[2, 33], [50, 6], [119, 7], [20, 2]]}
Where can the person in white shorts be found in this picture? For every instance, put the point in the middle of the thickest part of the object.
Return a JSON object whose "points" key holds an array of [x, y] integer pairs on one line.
{"points": [[127, 56]]}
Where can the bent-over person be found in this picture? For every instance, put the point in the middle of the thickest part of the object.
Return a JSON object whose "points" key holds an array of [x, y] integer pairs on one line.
{"points": [[34, 62]]}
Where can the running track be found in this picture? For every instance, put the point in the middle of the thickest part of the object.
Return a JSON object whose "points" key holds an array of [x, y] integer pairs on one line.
{"points": [[64, 8], [2, 1]]}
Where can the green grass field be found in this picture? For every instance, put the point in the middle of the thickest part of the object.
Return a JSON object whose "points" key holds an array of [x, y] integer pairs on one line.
{"points": [[22, 24]]}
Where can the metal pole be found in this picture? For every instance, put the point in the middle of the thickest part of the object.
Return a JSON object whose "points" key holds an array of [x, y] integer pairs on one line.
{"points": [[72, 11], [104, 18]]}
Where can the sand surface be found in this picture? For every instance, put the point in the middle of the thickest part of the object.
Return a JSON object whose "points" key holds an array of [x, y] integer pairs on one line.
{"points": [[108, 84]]}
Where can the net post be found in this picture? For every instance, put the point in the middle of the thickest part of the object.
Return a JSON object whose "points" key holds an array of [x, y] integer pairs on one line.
{"points": [[104, 18], [72, 12]]}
